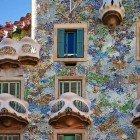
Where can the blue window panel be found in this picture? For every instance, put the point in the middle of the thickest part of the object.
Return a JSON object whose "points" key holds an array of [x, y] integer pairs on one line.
{"points": [[80, 43], [70, 41], [60, 42]]}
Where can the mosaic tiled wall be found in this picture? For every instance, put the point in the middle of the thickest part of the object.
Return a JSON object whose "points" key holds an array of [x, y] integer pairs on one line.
{"points": [[110, 70]]}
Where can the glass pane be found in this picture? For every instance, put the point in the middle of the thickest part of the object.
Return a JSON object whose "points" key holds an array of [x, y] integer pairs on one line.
{"points": [[1, 138], [18, 90], [60, 88], [70, 43], [78, 137], [15, 137], [79, 88], [5, 88], [12, 88], [5, 138], [66, 87], [9, 137], [0, 92], [72, 137], [60, 137], [74, 87]]}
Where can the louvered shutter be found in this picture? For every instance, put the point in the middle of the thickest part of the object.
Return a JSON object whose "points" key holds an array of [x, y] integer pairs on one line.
{"points": [[78, 137], [60, 42], [60, 137], [80, 43]]}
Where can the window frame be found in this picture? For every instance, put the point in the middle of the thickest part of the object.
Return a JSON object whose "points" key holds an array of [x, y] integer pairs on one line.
{"points": [[82, 132], [13, 79], [11, 135], [70, 78], [69, 26], [9, 88], [138, 86], [63, 135], [138, 40]]}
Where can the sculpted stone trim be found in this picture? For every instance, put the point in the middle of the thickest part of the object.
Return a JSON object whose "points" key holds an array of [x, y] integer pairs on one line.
{"points": [[7, 50], [69, 119], [9, 63], [27, 60], [5, 116], [27, 48]]}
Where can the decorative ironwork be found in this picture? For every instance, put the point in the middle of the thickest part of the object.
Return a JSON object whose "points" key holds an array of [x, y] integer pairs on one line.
{"points": [[7, 50], [27, 48]]}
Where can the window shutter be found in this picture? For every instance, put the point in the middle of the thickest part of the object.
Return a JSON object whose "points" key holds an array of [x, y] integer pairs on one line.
{"points": [[80, 43], [60, 137], [60, 42], [78, 137]]}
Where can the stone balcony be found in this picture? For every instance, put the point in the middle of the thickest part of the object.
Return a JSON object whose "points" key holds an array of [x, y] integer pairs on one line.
{"points": [[13, 54], [14, 114], [70, 111]]}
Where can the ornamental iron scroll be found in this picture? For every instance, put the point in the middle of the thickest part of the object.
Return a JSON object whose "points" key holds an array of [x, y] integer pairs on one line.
{"points": [[27, 48], [7, 50]]}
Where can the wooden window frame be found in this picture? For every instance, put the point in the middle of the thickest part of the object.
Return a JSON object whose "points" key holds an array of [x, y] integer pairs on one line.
{"points": [[70, 78], [13, 79], [11, 135], [69, 26], [138, 40], [57, 132], [9, 82]]}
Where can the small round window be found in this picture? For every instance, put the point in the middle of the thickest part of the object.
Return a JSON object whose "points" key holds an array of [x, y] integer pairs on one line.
{"points": [[81, 106], [57, 106], [17, 107]]}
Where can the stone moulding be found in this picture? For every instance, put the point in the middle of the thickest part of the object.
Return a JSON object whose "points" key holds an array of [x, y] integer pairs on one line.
{"points": [[14, 54], [70, 111]]}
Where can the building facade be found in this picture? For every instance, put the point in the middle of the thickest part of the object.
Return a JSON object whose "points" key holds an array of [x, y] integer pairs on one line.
{"points": [[87, 79]]}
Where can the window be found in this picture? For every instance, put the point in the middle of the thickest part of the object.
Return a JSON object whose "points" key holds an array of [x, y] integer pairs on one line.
{"points": [[65, 84], [138, 40], [9, 137], [70, 42], [70, 86], [70, 134], [70, 137], [11, 87]]}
